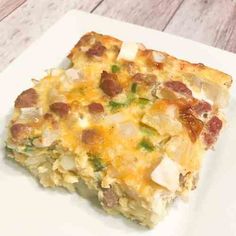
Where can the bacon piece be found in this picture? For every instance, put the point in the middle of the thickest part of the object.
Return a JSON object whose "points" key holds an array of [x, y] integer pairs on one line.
{"points": [[19, 131], [95, 108], [209, 139], [148, 79], [110, 199], [60, 108], [96, 50], [28, 98], [213, 127], [193, 125], [201, 107], [178, 87], [91, 136], [109, 84]]}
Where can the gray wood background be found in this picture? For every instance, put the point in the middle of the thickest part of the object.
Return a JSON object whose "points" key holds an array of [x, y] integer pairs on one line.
{"points": [[212, 22]]}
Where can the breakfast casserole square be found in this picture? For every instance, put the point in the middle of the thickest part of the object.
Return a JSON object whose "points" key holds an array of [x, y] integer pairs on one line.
{"points": [[129, 122]]}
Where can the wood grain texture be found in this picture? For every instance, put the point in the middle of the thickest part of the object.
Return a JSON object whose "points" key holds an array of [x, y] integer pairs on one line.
{"points": [[209, 21], [151, 13], [8, 6], [28, 22]]}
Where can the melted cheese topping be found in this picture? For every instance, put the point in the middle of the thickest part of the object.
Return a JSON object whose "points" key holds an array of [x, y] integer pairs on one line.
{"points": [[133, 133]]}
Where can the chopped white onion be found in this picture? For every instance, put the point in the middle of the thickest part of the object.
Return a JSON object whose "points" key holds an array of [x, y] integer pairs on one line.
{"points": [[210, 92], [167, 174], [28, 113], [158, 57], [218, 95], [115, 118], [49, 137], [73, 74], [164, 123], [84, 48], [128, 129], [67, 163], [66, 63], [128, 51]]}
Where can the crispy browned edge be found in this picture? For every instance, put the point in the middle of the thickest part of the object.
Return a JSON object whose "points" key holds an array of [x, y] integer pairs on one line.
{"points": [[214, 76]]}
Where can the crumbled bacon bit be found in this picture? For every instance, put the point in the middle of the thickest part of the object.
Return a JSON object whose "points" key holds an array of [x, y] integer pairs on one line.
{"points": [[96, 50], [95, 108], [201, 107], [60, 108], [213, 127], [109, 84], [178, 87], [28, 98], [19, 131]]}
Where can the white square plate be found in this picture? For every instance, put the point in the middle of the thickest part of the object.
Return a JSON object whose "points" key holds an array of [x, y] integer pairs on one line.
{"points": [[26, 209]]}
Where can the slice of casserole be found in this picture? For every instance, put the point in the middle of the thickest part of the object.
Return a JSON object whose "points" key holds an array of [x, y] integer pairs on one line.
{"points": [[130, 122]]}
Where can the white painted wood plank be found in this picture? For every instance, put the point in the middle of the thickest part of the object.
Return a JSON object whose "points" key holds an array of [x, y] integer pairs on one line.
{"points": [[29, 21], [151, 13], [209, 21], [8, 6]]}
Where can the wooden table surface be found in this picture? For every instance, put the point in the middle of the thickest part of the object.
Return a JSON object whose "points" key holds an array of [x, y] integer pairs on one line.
{"points": [[212, 22]]}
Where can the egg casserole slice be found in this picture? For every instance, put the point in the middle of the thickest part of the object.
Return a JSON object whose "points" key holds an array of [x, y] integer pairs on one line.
{"points": [[130, 122]]}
